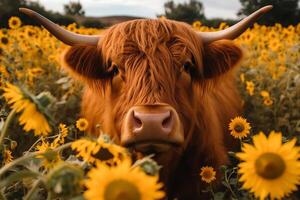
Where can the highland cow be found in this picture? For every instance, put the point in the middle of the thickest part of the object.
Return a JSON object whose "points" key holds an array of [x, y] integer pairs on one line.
{"points": [[158, 87]]}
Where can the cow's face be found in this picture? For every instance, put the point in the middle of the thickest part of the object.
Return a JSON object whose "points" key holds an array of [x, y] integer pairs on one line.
{"points": [[148, 79], [154, 63], [152, 75]]}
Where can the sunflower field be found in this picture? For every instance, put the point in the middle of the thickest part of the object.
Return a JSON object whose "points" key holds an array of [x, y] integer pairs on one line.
{"points": [[45, 152]]}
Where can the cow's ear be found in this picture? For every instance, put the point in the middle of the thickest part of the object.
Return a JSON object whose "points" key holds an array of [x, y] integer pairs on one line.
{"points": [[84, 62], [219, 57]]}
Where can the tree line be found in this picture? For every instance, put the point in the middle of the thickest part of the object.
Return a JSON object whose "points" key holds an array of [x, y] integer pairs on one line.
{"points": [[72, 10], [285, 12]]}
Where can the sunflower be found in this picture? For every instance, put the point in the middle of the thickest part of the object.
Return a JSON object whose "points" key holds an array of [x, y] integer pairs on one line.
{"points": [[223, 25], [274, 44], [63, 132], [250, 87], [121, 182], [162, 17], [3, 71], [248, 36], [100, 151], [30, 32], [50, 158], [269, 167], [272, 35], [82, 124], [266, 98], [208, 174], [197, 25], [268, 101], [264, 94], [42, 146], [34, 72], [72, 27], [242, 77], [7, 157], [30, 117], [14, 22], [239, 127], [4, 40]]}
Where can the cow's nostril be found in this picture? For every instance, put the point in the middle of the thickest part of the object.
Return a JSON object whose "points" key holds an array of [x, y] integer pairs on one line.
{"points": [[167, 122], [137, 123]]}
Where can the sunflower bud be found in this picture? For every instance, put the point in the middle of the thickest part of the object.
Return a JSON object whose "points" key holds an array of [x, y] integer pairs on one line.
{"points": [[44, 99], [65, 180], [106, 138], [50, 155], [13, 144], [148, 165]]}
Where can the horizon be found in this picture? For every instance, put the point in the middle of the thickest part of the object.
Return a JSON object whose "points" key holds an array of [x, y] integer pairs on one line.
{"points": [[145, 8]]}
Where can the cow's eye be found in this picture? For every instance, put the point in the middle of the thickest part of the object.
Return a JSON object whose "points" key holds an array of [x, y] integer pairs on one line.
{"points": [[115, 70], [187, 66]]}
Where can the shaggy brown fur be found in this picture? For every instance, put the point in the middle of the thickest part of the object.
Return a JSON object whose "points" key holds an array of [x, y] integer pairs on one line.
{"points": [[150, 55]]}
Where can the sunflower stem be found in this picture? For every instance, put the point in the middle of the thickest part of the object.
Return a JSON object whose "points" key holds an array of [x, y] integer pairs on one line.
{"points": [[6, 125], [49, 196], [211, 190], [32, 191], [38, 140], [2, 197], [229, 186], [29, 156]]}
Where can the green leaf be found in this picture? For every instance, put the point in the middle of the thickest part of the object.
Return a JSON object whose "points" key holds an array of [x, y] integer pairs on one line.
{"points": [[225, 184], [80, 197], [231, 154], [223, 168], [219, 196], [17, 176], [233, 181]]}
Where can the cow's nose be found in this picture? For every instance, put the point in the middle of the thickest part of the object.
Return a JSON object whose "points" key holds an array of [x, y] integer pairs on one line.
{"points": [[144, 123], [149, 128]]}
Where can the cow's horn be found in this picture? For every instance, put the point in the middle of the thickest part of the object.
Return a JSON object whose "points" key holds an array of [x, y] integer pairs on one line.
{"points": [[65, 36], [235, 30]]}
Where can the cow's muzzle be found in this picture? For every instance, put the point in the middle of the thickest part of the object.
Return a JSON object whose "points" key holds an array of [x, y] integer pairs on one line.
{"points": [[152, 128]]}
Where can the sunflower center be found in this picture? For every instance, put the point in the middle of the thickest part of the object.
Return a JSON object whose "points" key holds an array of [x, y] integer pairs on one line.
{"points": [[104, 154], [4, 40], [270, 166], [239, 127], [207, 174], [121, 189], [82, 124]]}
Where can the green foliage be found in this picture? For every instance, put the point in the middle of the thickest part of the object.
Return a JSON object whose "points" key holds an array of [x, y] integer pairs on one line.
{"points": [[74, 8], [215, 22], [90, 23], [187, 11], [284, 12], [10, 8], [284, 114]]}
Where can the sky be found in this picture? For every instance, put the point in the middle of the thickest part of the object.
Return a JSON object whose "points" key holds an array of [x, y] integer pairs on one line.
{"points": [[144, 8]]}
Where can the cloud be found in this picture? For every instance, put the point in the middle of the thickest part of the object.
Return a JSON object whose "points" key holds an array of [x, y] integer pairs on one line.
{"points": [[144, 8], [223, 9]]}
